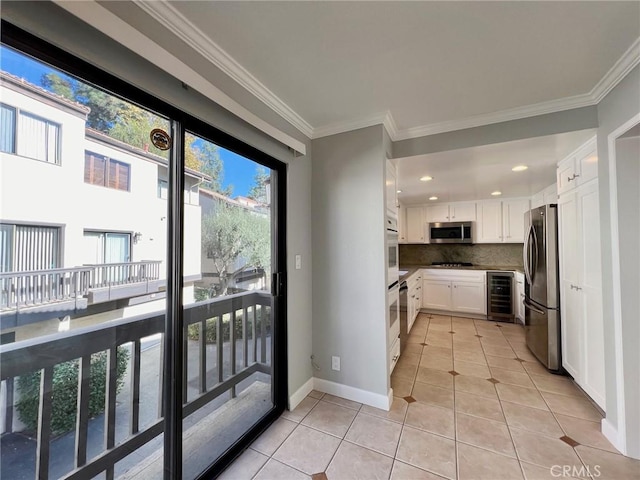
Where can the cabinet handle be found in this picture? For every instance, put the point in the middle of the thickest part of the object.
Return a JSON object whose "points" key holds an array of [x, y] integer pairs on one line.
{"points": [[448, 286], [572, 177], [455, 286]]}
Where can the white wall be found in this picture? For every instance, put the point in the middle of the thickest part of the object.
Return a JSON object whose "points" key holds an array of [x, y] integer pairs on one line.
{"points": [[618, 107], [349, 288]]}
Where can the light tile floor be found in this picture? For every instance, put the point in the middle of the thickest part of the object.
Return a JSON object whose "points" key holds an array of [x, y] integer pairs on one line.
{"points": [[471, 402]]}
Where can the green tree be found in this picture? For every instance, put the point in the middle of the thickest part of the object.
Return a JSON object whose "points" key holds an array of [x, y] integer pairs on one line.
{"points": [[104, 107], [231, 232], [258, 191], [133, 125], [204, 157]]}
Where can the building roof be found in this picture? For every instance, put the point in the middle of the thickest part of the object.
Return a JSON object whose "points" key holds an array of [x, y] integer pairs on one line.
{"points": [[23, 86]]}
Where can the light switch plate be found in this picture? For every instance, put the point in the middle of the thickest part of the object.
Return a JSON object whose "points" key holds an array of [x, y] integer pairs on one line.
{"points": [[298, 262]]}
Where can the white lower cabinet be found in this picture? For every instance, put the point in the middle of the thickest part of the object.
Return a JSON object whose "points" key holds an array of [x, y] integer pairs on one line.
{"points": [[437, 294], [519, 297], [469, 297], [455, 290], [580, 289], [414, 298]]}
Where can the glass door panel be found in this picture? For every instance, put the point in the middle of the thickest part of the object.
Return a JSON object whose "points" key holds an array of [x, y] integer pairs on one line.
{"points": [[83, 301], [228, 235]]}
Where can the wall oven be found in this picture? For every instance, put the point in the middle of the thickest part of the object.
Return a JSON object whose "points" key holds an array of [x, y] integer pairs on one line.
{"points": [[393, 257], [450, 232]]}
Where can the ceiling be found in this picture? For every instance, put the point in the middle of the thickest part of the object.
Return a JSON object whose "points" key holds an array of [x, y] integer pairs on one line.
{"points": [[418, 67], [473, 173], [424, 66]]}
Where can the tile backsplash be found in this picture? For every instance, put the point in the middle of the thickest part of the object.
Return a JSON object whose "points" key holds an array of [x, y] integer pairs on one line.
{"points": [[492, 254]]}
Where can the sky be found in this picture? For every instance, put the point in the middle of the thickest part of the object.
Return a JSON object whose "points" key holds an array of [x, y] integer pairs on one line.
{"points": [[238, 170]]}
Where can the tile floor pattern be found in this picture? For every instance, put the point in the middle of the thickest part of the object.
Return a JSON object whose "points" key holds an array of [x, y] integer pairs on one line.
{"points": [[471, 402]]}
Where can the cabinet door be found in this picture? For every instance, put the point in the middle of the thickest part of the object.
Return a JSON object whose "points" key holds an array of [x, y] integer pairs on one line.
{"points": [[402, 224], [436, 294], [513, 212], [415, 225], [489, 225], [462, 212], [570, 307], [590, 291], [437, 213], [469, 297], [588, 165], [566, 175], [392, 189]]}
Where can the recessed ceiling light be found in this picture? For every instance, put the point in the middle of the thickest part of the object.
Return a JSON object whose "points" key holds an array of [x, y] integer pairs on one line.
{"points": [[433, 198], [519, 168], [496, 193], [426, 178], [398, 191]]}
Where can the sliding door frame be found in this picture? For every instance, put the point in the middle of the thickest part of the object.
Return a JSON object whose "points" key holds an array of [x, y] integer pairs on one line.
{"points": [[181, 121]]}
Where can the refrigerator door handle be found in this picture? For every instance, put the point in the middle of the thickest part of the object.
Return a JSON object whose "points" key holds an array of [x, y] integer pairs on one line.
{"points": [[526, 256], [532, 307], [534, 258]]}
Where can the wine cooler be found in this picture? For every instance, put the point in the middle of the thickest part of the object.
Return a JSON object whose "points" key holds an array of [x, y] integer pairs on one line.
{"points": [[500, 296]]}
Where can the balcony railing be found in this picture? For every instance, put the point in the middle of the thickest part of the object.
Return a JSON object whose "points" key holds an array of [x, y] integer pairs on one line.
{"points": [[245, 348], [42, 287]]}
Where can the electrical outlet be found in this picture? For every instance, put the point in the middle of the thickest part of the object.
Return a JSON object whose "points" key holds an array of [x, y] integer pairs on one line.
{"points": [[298, 262], [335, 363]]}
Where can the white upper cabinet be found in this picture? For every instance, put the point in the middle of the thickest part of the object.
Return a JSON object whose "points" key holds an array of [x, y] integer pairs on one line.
{"points": [[578, 168], [437, 213], [501, 221], [402, 224], [489, 226], [451, 212], [391, 184], [463, 212], [415, 225], [513, 213]]}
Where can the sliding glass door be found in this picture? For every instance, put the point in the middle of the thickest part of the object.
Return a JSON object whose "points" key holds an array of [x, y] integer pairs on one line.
{"points": [[155, 345]]}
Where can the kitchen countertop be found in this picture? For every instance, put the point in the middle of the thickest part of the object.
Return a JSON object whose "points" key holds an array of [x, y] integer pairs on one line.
{"points": [[411, 269]]}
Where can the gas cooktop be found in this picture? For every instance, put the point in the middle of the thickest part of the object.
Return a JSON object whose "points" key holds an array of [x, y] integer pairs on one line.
{"points": [[452, 264]]}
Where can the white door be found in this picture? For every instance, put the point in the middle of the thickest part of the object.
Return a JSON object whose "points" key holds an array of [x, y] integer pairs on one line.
{"points": [[590, 293], [570, 308], [469, 297]]}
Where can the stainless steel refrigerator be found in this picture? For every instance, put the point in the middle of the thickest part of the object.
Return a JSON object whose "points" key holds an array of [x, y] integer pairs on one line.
{"points": [[542, 285]]}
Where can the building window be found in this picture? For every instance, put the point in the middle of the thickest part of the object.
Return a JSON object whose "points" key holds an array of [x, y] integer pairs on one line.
{"points": [[163, 189], [107, 247], [26, 248], [105, 171], [32, 136]]}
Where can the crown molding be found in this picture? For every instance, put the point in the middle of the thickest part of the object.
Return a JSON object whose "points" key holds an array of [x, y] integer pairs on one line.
{"points": [[114, 27], [517, 113], [620, 69], [384, 118], [165, 13]]}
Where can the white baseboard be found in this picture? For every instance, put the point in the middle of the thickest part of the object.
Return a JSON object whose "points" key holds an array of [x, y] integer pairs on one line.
{"points": [[356, 394], [301, 393], [611, 433]]}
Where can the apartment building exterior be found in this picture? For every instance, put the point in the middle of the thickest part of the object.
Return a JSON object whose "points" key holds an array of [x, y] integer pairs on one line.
{"points": [[85, 211]]}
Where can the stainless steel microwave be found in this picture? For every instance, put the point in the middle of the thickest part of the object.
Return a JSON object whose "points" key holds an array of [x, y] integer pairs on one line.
{"points": [[451, 232]]}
